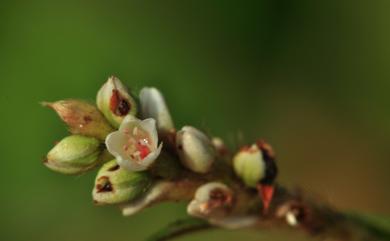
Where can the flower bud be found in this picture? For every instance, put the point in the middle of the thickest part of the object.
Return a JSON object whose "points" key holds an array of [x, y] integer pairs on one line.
{"points": [[115, 102], [74, 154], [249, 165], [153, 106], [216, 203], [195, 149], [135, 144], [82, 118], [213, 199], [113, 184]]}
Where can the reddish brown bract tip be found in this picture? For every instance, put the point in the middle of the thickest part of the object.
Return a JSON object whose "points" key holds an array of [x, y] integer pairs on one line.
{"points": [[266, 193], [266, 148]]}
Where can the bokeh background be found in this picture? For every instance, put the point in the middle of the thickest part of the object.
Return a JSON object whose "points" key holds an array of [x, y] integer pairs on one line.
{"points": [[312, 77]]}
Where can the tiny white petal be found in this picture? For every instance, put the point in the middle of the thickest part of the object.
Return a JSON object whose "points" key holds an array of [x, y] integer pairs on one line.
{"points": [[114, 142], [149, 125]]}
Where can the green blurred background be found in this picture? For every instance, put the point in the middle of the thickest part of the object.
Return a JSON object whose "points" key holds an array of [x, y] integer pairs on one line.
{"points": [[312, 77]]}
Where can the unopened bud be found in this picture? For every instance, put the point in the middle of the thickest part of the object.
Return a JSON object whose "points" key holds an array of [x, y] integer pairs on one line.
{"points": [[115, 102], [195, 149], [74, 154], [249, 165], [213, 199], [113, 184], [153, 106], [82, 118]]}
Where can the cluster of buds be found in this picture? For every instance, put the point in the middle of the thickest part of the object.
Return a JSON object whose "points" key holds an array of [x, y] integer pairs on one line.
{"points": [[143, 160]]}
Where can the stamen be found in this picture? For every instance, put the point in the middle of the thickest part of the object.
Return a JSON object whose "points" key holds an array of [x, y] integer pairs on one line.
{"points": [[138, 145]]}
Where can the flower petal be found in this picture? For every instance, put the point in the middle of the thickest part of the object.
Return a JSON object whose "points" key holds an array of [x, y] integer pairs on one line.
{"points": [[149, 125], [114, 143], [149, 159], [128, 122]]}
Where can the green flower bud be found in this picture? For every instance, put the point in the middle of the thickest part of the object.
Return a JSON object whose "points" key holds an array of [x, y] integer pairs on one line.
{"points": [[74, 154], [113, 184], [248, 164], [82, 118], [256, 166], [115, 102], [195, 149]]}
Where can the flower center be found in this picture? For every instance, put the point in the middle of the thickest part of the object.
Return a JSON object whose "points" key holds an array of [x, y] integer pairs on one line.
{"points": [[138, 145]]}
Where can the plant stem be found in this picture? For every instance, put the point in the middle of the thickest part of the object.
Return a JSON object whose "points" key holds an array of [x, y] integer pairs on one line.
{"points": [[179, 228]]}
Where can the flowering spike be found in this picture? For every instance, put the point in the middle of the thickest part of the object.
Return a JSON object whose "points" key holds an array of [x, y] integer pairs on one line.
{"points": [[74, 155], [81, 118], [153, 106], [195, 149], [135, 144], [114, 184], [115, 102]]}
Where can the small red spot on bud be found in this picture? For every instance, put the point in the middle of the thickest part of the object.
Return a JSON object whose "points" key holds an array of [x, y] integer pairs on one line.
{"points": [[118, 105]]}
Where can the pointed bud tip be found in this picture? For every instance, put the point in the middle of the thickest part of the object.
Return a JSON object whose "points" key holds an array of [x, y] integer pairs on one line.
{"points": [[46, 104]]}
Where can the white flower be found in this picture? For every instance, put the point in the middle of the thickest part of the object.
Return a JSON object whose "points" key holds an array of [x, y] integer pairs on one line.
{"points": [[195, 149], [134, 145], [153, 106]]}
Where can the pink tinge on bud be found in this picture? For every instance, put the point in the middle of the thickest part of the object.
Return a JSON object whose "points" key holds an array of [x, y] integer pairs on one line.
{"points": [[266, 193]]}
